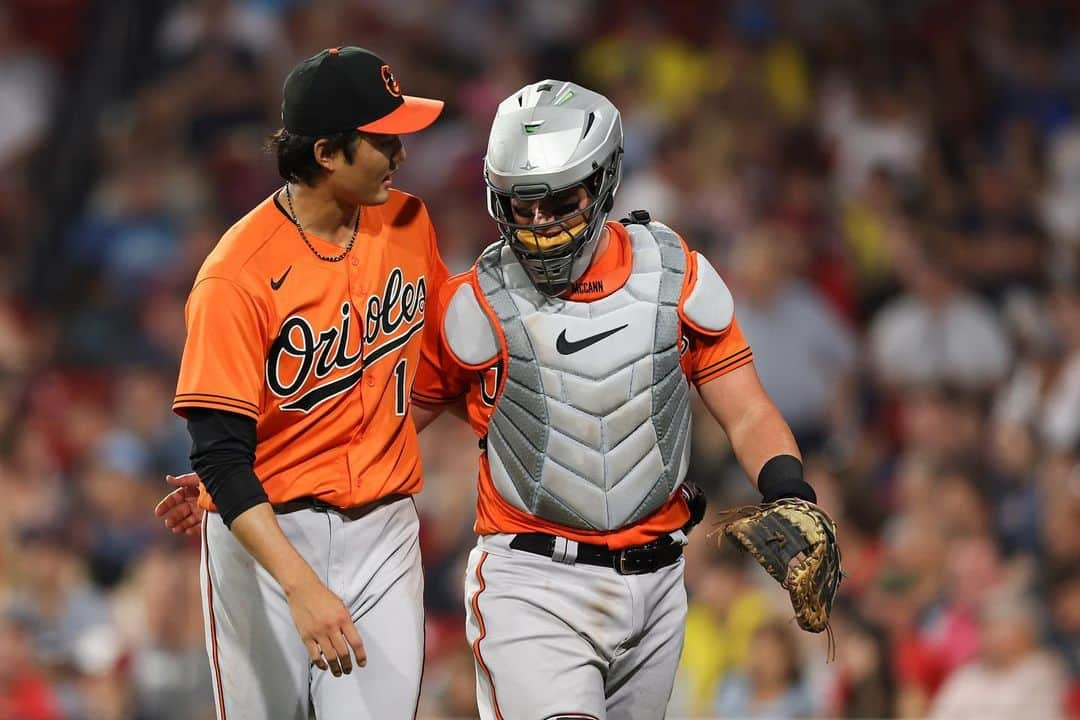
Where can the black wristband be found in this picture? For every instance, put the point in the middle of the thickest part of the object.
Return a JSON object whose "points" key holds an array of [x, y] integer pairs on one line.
{"points": [[782, 477]]}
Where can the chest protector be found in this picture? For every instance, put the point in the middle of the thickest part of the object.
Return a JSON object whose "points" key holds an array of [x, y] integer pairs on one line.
{"points": [[592, 428]]}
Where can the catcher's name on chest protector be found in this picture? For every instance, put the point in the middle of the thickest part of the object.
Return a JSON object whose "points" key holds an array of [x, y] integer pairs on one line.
{"points": [[592, 427]]}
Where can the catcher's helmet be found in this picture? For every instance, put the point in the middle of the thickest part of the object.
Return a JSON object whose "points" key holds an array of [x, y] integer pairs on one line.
{"points": [[548, 138]]}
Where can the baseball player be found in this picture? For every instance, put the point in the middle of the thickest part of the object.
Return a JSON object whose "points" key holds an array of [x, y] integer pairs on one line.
{"points": [[304, 332], [574, 341]]}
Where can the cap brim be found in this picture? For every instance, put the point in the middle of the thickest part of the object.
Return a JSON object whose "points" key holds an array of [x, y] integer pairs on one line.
{"points": [[416, 113]]}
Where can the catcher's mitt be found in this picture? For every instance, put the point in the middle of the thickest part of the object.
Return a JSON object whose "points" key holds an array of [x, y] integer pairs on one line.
{"points": [[795, 541]]}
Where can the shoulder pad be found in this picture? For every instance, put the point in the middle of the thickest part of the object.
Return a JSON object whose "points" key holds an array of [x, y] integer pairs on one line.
{"points": [[467, 330], [709, 307]]}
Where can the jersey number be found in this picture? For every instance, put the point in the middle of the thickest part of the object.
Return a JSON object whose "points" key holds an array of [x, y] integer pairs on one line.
{"points": [[399, 400]]}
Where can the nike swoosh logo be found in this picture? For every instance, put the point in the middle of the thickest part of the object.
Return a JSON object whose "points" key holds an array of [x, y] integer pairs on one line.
{"points": [[569, 347], [276, 284]]}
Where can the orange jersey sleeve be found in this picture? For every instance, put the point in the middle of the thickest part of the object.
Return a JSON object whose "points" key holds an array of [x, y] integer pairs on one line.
{"points": [[707, 357], [222, 376]]}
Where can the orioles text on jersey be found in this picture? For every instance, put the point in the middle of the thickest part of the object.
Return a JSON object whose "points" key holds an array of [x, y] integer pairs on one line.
{"points": [[318, 354]]}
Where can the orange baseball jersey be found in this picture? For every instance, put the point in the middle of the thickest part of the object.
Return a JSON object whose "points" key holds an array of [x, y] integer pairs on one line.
{"points": [[442, 379], [322, 355]]}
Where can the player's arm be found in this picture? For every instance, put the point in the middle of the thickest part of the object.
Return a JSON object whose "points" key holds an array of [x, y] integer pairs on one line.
{"points": [[323, 621], [759, 435], [424, 415], [720, 363], [223, 455]]}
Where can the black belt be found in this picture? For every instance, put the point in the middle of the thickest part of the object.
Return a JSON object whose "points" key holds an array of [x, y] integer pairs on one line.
{"points": [[636, 560], [313, 503]]}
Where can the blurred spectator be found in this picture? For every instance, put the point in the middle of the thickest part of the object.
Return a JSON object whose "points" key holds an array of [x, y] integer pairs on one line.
{"points": [[193, 24], [116, 526], [724, 613], [1018, 500], [872, 124], [804, 355], [1065, 606], [452, 687], [875, 232], [1013, 677], [25, 693], [1001, 244], [770, 686], [103, 678], [892, 190], [163, 626], [54, 593], [864, 685], [936, 331], [28, 85]]}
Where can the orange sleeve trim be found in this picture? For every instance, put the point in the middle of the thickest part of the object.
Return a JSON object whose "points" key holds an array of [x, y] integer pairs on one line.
{"points": [[212, 397], [213, 404], [723, 368]]}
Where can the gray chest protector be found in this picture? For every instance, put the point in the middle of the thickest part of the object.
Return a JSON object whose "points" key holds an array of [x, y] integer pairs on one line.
{"points": [[592, 429]]}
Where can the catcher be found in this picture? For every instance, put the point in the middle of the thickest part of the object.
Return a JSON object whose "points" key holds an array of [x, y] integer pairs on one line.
{"points": [[574, 342]]}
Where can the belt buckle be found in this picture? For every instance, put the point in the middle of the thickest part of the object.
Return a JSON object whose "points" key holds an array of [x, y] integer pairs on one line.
{"points": [[636, 561]]}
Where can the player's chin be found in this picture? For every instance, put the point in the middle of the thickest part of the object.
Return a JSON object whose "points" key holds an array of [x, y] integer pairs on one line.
{"points": [[378, 195]]}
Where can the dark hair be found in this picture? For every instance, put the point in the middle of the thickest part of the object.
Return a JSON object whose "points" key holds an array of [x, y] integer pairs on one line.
{"points": [[296, 153]]}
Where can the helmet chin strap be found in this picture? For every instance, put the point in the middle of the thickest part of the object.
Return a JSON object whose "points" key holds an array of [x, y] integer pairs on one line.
{"points": [[546, 243]]}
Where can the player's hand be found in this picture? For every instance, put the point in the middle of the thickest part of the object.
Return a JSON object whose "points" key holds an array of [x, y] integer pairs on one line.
{"points": [[326, 628], [178, 508]]}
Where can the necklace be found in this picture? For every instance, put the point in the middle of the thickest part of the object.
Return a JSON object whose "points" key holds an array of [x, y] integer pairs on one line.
{"points": [[303, 235]]}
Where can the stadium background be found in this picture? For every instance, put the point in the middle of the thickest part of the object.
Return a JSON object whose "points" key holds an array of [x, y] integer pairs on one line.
{"points": [[892, 189]]}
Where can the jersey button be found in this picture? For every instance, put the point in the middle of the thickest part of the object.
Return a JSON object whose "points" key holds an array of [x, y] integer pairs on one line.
{"points": [[354, 261]]}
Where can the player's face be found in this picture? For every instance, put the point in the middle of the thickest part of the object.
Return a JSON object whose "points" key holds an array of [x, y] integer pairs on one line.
{"points": [[551, 209], [367, 180]]}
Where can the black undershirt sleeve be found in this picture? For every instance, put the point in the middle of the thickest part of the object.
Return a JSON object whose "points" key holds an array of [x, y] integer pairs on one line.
{"points": [[223, 454]]}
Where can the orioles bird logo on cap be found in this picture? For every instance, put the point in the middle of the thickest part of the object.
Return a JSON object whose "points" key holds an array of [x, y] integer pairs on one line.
{"points": [[392, 86]]}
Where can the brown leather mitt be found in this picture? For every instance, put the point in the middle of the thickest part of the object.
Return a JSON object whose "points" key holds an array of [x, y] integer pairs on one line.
{"points": [[795, 541]]}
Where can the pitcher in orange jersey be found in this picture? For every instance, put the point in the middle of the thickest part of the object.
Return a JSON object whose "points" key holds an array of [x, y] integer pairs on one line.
{"points": [[575, 342], [304, 332]]}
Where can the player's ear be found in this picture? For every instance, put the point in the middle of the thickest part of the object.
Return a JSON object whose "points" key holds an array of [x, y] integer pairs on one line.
{"points": [[324, 153]]}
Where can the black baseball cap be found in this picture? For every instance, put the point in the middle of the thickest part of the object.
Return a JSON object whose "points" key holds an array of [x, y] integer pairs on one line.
{"points": [[350, 88]]}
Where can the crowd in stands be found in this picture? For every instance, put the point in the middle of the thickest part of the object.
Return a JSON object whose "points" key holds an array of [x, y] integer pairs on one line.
{"points": [[891, 190]]}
